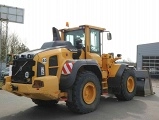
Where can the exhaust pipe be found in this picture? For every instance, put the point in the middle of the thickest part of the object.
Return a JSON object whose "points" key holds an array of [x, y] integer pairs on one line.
{"points": [[56, 34]]}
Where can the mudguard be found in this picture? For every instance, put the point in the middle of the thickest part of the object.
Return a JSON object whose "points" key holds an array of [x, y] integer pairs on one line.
{"points": [[66, 81], [114, 83]]}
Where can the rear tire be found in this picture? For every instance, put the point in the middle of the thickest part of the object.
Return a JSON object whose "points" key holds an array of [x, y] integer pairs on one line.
{"points": [[128, 86], [85, 93], [45, 102]]}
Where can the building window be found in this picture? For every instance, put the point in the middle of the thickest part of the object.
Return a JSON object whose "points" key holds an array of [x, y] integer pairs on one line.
{"points": [[151, 63]]}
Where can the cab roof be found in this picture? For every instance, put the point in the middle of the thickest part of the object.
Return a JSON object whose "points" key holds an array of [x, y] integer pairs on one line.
{"points": [[76, 28]]}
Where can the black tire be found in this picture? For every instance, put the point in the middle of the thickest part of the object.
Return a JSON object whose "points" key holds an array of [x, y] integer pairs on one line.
{"points": [[127, 93], [45, 102], [86, 80]]}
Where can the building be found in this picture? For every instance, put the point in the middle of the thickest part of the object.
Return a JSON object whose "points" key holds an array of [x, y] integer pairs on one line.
{"points": [[148, 58]]}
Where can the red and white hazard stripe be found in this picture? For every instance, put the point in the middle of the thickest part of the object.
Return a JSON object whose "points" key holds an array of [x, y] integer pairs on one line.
{"points": [[67, 68]]}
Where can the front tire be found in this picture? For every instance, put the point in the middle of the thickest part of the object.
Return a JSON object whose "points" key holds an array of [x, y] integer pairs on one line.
{"points": [[128, 86], [85, 93]]}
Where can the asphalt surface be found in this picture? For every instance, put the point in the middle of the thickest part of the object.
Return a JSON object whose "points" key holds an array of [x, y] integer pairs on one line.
{"points": [[140, 108]]}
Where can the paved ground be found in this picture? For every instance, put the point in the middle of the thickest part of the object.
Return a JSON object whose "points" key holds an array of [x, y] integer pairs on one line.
{"points": [[140, 108]]}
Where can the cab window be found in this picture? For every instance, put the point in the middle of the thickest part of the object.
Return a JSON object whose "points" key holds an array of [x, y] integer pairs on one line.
{"points": [[95, 41], [72, 36]]}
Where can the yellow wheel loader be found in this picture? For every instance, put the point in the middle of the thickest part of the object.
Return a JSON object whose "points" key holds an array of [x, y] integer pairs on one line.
{"points": [[72, 68]]}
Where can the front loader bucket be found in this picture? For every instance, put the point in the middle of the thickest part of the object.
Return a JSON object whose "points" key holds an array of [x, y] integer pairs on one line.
{"points": [[144, 85]]}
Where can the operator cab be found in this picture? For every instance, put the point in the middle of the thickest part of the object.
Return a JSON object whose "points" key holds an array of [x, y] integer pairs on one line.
{"points": [[90, 36], [75, 35]]}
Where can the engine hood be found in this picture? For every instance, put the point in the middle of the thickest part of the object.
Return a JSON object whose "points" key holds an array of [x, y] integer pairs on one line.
{"points": [[32, 53]]}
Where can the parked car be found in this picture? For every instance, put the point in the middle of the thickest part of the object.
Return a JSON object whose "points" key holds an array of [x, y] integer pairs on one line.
{"points": [[4, 72]]}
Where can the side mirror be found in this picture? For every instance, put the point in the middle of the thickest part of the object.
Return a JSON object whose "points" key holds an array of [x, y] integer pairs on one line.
{"points": [[109, 36], [119, 55]]}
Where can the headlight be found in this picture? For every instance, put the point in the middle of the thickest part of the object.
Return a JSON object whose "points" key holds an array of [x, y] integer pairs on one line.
{"points": [[16, 57], [29, 56]]}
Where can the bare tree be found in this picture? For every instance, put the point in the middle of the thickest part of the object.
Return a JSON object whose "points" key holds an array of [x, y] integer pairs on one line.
{"points": [[22, 48], [3, 47], [15, 46], [12, 45]]}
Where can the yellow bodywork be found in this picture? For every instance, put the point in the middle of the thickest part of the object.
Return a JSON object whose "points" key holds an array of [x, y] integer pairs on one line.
{"points": [[50, 91], [51, 83]]}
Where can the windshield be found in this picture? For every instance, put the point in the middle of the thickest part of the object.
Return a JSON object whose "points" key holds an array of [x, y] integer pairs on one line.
{"points": [[72, 36]]}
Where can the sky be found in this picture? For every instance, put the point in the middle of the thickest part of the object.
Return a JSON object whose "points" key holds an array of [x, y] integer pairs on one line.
{"points": [[131, 22]]}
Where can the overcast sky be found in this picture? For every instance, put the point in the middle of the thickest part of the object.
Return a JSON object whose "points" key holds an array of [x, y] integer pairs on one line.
{"points": [[131, 22]]}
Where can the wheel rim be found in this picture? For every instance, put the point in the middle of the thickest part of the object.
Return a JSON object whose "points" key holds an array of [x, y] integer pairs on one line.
{"points": [[130, 84], [89, 93]]}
